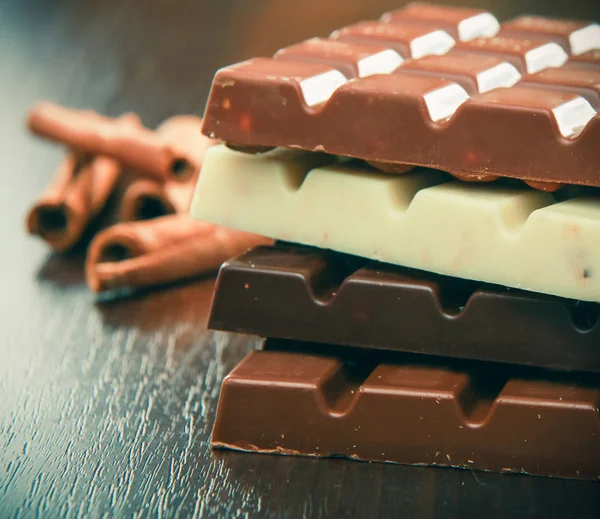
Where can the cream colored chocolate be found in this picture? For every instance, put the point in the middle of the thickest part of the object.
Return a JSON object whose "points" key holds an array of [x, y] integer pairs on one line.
{"points": [[161, 250], [510, 236]]}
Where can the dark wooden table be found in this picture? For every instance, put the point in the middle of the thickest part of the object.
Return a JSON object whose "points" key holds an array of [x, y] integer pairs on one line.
{"points": [[106, 407]]}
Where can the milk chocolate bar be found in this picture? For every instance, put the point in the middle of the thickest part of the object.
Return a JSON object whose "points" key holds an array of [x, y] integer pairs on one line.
{"points": [[307, 294], [496, 233], [393, 408], [431, 86]]}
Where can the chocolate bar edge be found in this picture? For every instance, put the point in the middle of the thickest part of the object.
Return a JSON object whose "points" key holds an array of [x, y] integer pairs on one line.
{"points": [[297, 400], [257, 297]]}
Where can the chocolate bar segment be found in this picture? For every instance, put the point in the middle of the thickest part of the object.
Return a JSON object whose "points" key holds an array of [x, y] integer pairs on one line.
{"points": [[525, 107], [462, 23], [589, 58], [504, 235], [319, 296], [576, 37], [529, 55], [410, 41], [476, 73], [367, 92], [393, 409], [389, 118], [353, 60], [580, 81]]}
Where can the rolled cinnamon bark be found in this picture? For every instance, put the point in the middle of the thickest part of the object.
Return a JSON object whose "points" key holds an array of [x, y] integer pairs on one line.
{"points": [[79, 191], [183, 134], [91, 133], [153, 252], [144, 198]]}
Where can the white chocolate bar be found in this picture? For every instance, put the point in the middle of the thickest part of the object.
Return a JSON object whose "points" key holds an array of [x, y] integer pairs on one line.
{"points": [[516, 237]]}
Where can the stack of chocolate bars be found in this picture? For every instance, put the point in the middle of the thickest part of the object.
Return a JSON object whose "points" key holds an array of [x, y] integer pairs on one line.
{"points": [[432, 181]]}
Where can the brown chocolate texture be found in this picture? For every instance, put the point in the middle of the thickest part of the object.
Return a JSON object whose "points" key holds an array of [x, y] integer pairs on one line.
{"points": [[319, 296], [396, 408], [517, 100]]}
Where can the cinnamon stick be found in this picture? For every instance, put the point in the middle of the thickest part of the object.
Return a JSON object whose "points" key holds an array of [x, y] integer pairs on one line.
{"points": [[144, 198], [79, 191], [91, 133], [167, 249]]}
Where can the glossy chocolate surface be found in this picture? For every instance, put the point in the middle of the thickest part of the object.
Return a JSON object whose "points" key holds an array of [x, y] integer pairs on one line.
{"points": [[431, 86], [382, 407], [314, 295]]}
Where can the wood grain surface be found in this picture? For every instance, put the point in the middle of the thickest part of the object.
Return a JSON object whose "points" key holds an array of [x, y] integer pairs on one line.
{"points": [[106, 406]]}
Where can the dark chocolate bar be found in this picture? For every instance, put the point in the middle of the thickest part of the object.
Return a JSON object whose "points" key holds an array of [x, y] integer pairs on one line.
{"points": [[320, 296], [393, 409], [431, 86]]}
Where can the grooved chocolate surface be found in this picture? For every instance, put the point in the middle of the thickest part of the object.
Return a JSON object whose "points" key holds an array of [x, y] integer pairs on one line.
{"points": [[393, 409], [427, 86], [319, 296]]}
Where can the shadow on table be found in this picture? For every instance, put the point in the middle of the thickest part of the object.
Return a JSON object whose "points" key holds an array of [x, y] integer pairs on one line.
{"points": [[185, 302], [64, 268], [149, 308]]}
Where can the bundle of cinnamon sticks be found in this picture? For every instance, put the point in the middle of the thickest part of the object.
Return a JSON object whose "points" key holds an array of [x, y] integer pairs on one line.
{"points": [[154, 241]]}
